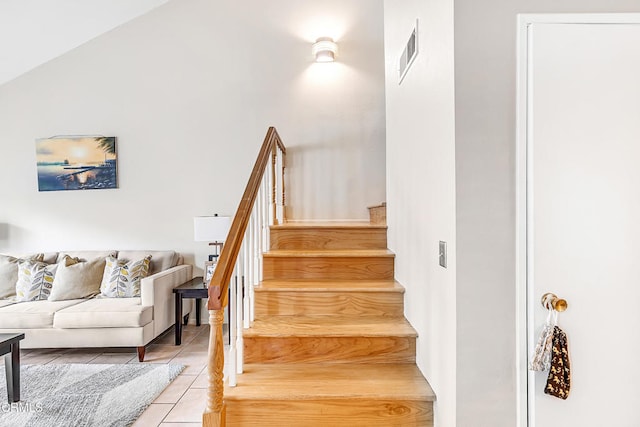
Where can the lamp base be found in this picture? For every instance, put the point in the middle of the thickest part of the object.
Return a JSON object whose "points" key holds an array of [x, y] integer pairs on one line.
{"points": [[209, 268]]}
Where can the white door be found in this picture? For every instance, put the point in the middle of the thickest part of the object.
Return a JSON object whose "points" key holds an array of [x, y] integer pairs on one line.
{"points": [[583, 214]]}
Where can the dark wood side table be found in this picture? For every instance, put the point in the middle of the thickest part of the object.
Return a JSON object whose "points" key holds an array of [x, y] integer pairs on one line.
{"points": [[194, 288], [10, 347]]}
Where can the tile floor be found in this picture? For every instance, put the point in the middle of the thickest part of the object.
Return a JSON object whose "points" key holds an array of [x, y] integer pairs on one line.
{"points": [[181, 404]]}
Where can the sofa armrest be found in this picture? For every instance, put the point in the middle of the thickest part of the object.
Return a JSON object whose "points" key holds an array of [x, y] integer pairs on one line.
{"points": [[157, 291]]}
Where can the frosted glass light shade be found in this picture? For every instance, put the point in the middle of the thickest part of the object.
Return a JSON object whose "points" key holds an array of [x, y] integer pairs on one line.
{"points": [[211, 228], [324, 49]]}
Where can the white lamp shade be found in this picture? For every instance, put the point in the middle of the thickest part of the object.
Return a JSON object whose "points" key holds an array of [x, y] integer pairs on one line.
{"points": [[211, 228]]}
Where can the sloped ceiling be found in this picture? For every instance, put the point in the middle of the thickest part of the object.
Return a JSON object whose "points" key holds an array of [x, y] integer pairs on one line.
{"points": [[33, 32]]}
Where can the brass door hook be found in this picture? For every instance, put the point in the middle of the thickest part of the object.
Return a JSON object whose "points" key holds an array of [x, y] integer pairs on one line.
{"points": [[551, 301]]}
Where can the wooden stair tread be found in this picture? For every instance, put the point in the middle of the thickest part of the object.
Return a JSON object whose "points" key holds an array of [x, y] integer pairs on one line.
{"points": [[329, 381], [327, 225], [330, 286], [329, 253], [326, 326]]}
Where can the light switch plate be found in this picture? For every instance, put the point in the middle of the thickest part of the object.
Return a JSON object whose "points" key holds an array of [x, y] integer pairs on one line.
{"points": [[442, 254]]}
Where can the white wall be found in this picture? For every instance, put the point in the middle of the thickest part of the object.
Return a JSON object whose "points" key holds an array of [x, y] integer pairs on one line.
{"points": [[40, 30], [485, 73], [189, 89], [421, 186]]}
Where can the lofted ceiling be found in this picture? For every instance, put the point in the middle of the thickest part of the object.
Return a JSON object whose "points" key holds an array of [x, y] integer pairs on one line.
{"points": [[33, 32]]}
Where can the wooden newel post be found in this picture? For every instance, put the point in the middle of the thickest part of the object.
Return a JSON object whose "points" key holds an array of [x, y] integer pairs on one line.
{"points": [[214, 415]]}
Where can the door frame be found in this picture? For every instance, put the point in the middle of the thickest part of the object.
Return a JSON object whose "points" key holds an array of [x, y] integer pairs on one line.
{"points": [[525, 299]]}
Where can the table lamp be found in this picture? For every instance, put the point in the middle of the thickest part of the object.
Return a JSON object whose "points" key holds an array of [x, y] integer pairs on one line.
{"points": [[212, 229]]}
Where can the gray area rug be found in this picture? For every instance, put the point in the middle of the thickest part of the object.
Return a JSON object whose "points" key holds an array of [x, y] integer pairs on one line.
{"points": [[82, 395]]}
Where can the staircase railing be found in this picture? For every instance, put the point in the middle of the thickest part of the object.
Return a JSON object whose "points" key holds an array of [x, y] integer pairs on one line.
{"points": [[239, 269]]}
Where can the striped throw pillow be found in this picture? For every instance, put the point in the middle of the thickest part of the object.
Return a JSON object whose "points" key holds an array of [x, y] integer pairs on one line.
{"points": [[121, 279]]}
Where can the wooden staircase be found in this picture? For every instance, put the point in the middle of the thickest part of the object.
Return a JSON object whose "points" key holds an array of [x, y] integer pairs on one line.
{"points": [[329, 345]]}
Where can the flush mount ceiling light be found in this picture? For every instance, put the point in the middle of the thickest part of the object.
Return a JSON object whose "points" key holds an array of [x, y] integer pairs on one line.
{"points": [[324, 49]]}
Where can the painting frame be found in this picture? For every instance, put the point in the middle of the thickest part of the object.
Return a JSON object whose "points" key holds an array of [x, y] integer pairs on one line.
{"points": [[77, 163]]}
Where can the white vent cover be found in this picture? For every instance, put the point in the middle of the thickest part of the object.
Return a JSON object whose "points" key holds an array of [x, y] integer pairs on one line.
{"points": [[408, 54]]}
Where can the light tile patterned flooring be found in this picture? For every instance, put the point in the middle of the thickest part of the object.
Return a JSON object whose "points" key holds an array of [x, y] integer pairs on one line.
{"points": [[181, 404]]}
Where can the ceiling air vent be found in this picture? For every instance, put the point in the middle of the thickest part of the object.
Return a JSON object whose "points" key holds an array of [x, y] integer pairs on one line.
{"points": [[409, 53]]}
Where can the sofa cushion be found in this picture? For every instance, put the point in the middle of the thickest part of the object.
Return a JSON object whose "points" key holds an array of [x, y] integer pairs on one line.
{"points": [[32, 314], [104, 313], [86, 255], [9, 273], [160, 260], [77, 280], [35, 279], [121, 278], [49, 257]]}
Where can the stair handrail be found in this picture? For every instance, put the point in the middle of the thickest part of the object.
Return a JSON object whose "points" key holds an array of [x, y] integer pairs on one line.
{"points": [[226, 263], [219, 285]]}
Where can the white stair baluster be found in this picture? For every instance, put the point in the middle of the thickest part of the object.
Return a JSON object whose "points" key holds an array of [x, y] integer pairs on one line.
{"points": [[245, 280], [258, 208], [265, 216], [231, 369], [256, 262], [238, 311], [280, 189]]}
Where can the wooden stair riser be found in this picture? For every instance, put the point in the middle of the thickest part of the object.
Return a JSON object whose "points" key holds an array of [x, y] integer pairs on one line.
{"points": [[329, 349], [335, 268], [332, 412], [328, 238], [328, 303]]}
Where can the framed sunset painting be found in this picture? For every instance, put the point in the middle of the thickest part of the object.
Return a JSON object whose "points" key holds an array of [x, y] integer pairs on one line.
{"points": [[76, 163]]}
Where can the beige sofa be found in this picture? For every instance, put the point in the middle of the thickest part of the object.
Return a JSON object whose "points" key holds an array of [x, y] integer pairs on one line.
{"points": [[102, 322]]}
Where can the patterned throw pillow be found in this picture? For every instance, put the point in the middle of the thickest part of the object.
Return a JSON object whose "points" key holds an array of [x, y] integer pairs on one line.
{"points": [[35, 280], [9, 273], [121, 279]]}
